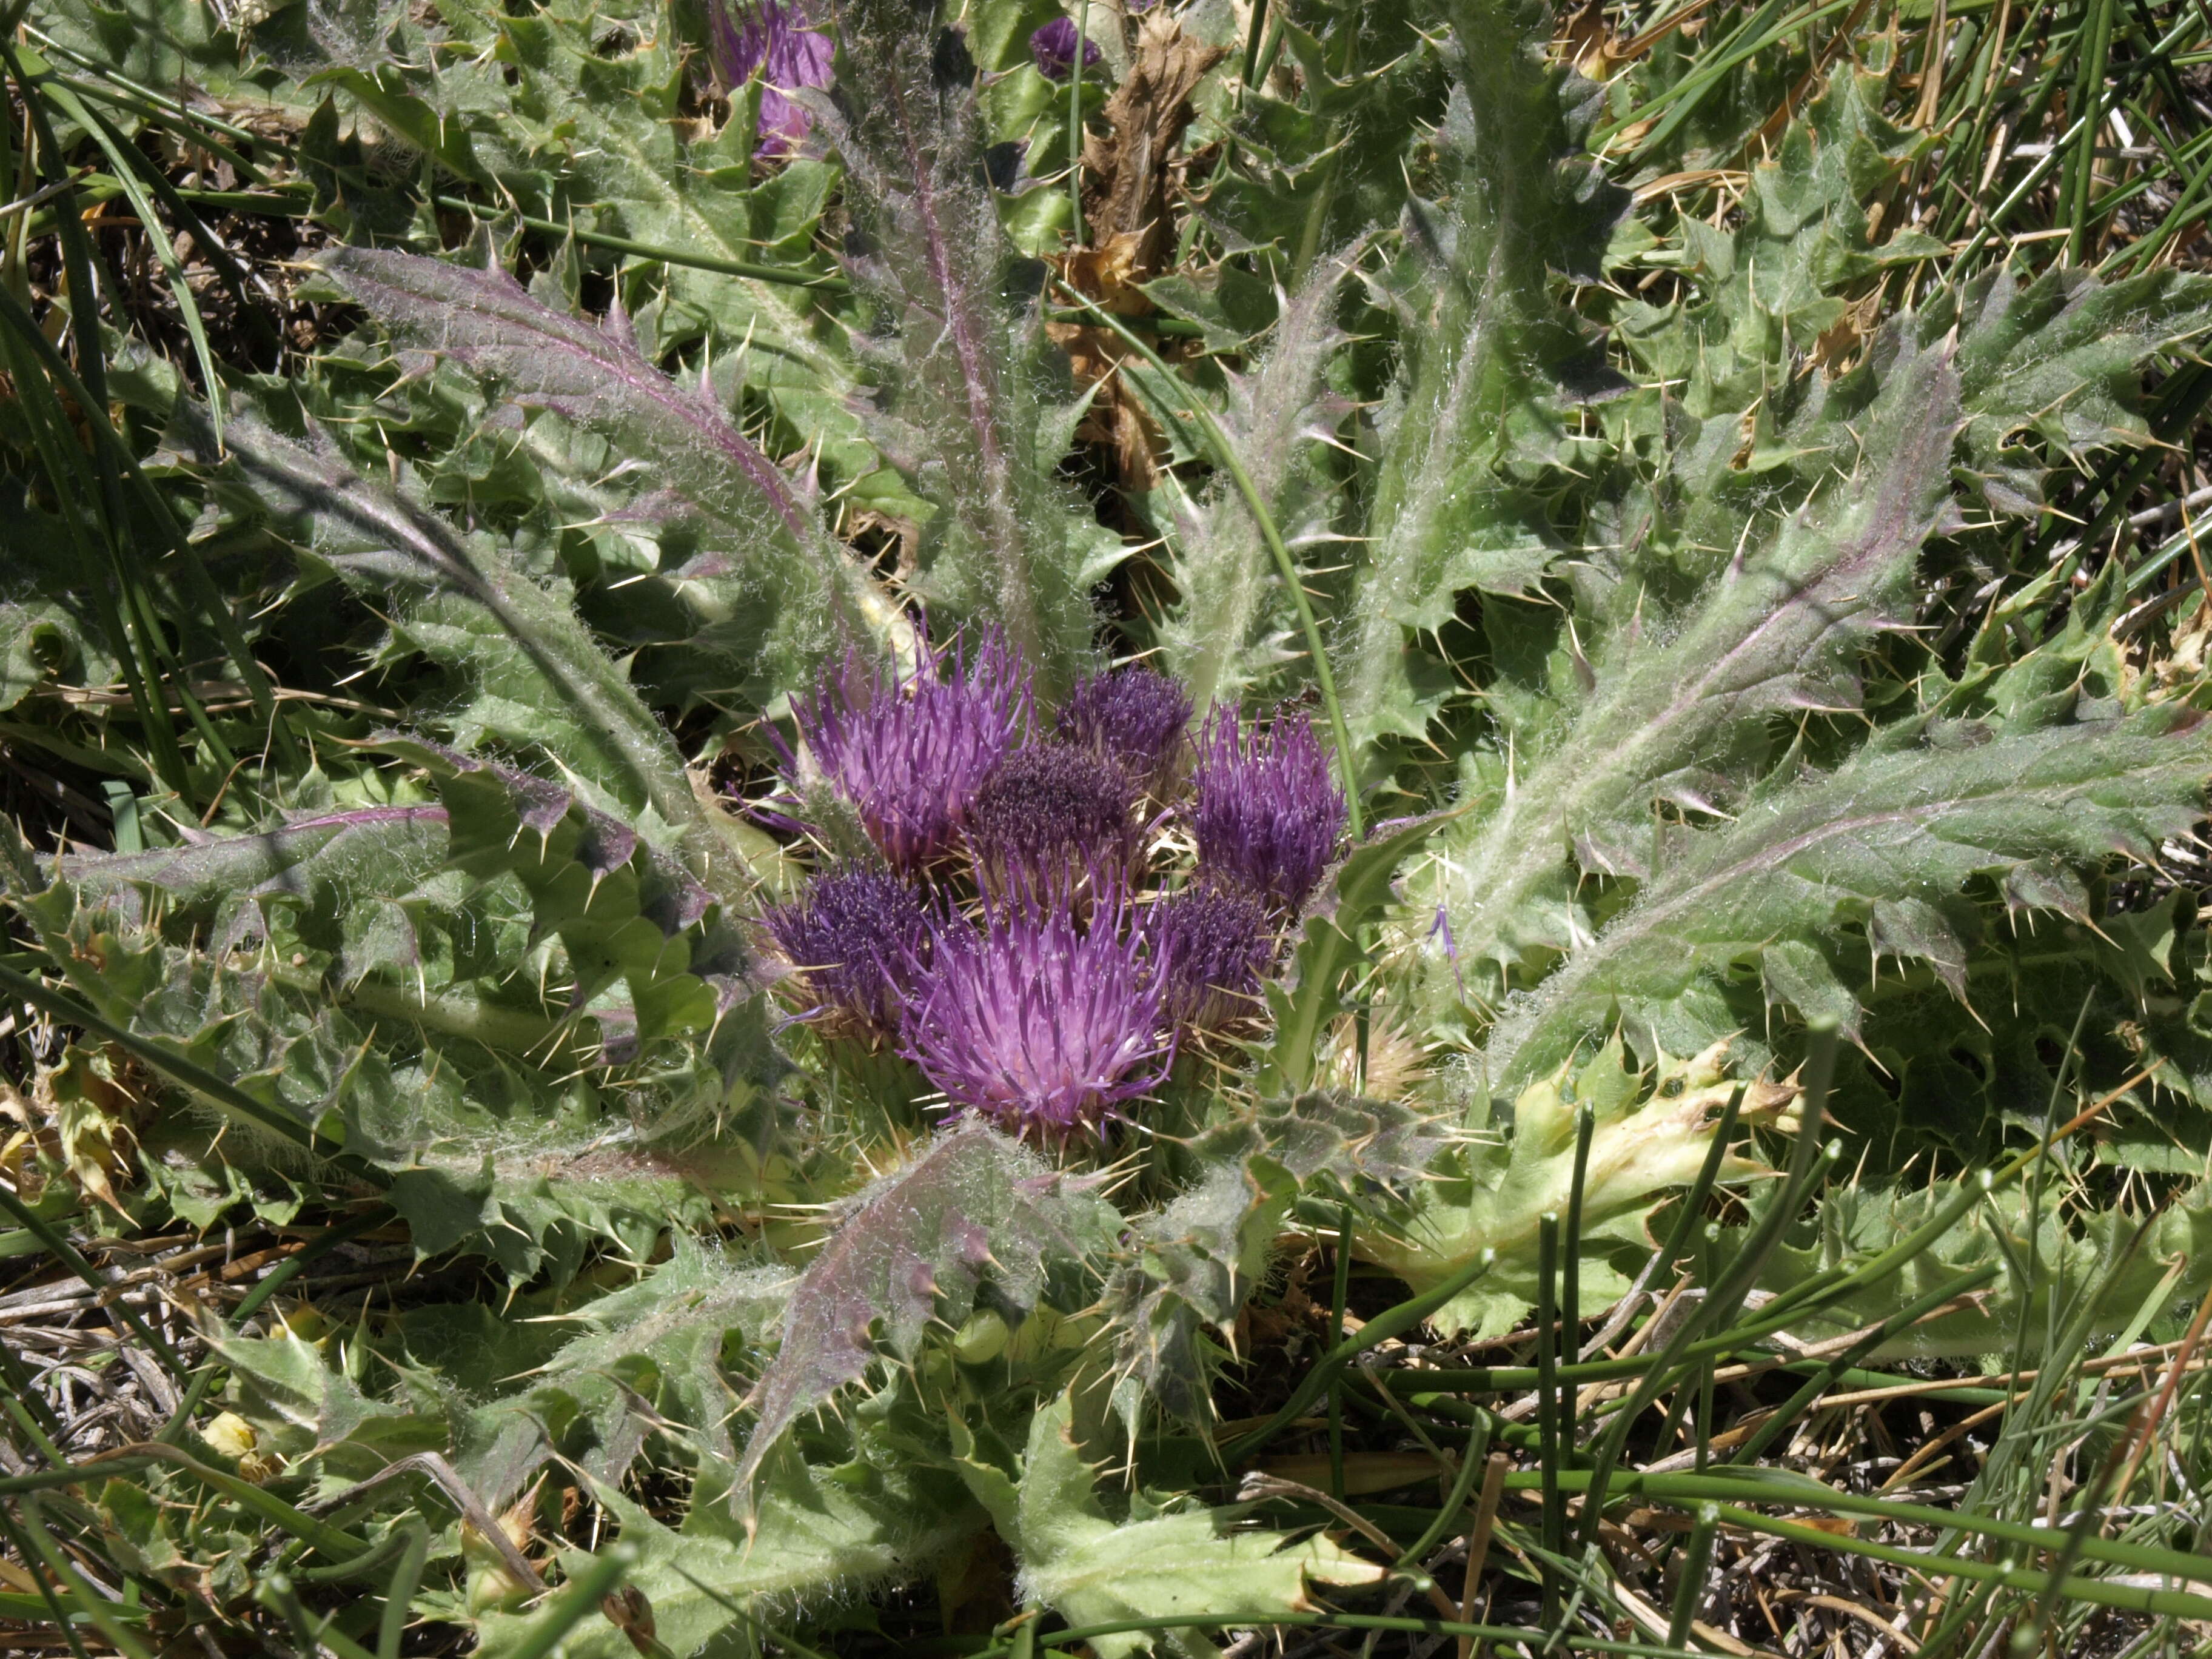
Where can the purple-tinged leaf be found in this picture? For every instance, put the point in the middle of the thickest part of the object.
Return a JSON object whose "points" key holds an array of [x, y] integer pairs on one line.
{"points": [[755, 534], [522, 647], [362, 867], [958, 387], [593, 376], [975, 1217], [624, 910], [284, 859]]}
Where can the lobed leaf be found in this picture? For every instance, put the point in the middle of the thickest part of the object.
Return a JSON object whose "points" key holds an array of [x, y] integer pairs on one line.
{"points": [[963, 369], [1680, 717], [975, 1216], [750, 529], [1229, 634], [1157, 1564], [536, 674], [1490, 359], [1881, 844], [1650, 1132]]}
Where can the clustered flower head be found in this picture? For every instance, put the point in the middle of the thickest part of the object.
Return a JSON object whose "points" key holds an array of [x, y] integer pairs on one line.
{"points": [[777, 40], [860, 938], [1269, 813], [1139, 718], [1026, 940], [1052, 48], [911, 754]]}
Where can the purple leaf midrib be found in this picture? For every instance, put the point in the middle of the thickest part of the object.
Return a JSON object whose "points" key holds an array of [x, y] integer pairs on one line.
{"points": [[588, 346], [974, 370]]}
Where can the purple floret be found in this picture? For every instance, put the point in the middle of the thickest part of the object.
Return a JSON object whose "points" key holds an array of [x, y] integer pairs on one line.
{"points": [[1269, 812], [1041, 1024], [777, 39], [1053, 48], [1209, 947], [1138, 717], [857, 939], [911, 755], [1049, 818]]}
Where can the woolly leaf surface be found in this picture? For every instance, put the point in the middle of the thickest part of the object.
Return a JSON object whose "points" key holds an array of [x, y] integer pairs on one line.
{"points": [[533, 675], [752, 531], [1491, 361], [1883, 843], [959, 369], [975, 1216]]}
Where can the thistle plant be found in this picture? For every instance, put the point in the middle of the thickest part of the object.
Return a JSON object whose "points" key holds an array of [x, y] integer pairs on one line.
{"points": [[911, 755], [780, 41], [1210, 947], [1053, 817], [1053, 48], [1037, 944], [1006, 882]]}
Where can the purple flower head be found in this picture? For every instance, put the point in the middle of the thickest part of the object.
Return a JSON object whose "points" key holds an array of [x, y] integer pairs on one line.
{"points": [[1041, 1024], [1053, 47], [1269, 811], [1210, 946], [1051, 817], [857, 939], [1136, 715], [910, 755], [776, 40]]}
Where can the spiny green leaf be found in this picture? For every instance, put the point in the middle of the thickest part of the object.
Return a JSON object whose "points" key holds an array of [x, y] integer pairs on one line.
{"points": [[622, 908], [1157, 1563], [1491, 360], [834, 1531], [2060, 357], [2076, 1252], [361, 868], [752, 535], [1195, 1263], [537, 676], [1683, 717], [1882, 843], [1233, 629]]}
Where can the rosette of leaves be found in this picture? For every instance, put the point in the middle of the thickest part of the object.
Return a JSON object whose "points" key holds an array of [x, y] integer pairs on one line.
{"points": [[1705, 755]]}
